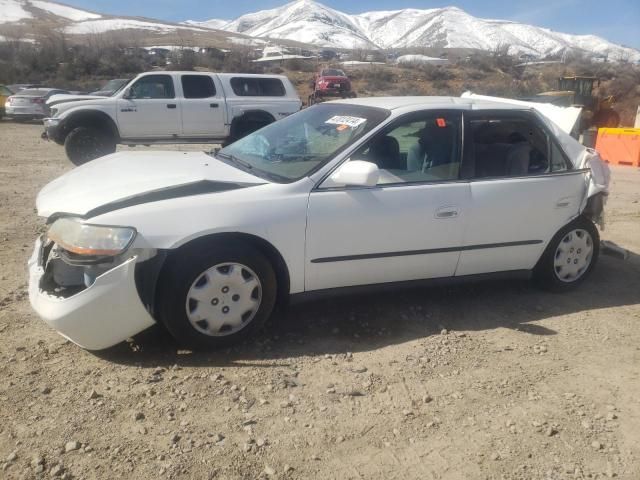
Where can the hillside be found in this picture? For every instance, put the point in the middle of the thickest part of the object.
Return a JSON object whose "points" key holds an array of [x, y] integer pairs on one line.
{"points": [[37, 19], [450, 27]]}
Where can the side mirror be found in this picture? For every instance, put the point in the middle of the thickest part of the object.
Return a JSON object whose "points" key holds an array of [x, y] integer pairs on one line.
{"points": [[356, 173], [127, 94]]}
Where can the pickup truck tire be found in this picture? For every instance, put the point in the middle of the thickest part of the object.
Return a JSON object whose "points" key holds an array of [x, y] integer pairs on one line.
{"points": [[249, 123], [84, 144], [215, 297]]}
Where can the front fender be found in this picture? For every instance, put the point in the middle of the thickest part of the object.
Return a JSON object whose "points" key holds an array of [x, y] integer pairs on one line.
{"points": [[275, 213]]}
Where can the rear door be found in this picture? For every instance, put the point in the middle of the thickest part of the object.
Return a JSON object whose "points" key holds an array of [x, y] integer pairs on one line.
{"points": [[149, 108], [523, 190], [203, 106]]}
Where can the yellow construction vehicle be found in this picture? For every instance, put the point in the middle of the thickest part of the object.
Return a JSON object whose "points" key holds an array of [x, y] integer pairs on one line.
{"points": [[577, 91]]}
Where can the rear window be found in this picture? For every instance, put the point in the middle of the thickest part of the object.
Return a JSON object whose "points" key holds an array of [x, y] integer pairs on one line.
{"points": [[331, 72], [198, 86], [257, 87], [512, 147], [33, 92]]}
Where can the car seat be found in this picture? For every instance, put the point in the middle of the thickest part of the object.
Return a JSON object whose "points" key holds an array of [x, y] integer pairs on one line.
{"points": [[518, 158], [385, 152]]}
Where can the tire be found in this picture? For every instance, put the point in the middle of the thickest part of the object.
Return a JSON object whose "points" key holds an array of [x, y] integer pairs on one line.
{"points": [[84, 144], [570, 256], [204, 270], [243, 126]]}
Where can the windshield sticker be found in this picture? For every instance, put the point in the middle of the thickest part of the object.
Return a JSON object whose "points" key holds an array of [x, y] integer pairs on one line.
{"points": [[351, 122]]}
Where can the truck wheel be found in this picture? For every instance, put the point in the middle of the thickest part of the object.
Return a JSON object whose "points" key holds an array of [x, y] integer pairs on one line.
{"points": [[243, 126], [215, 297], [84, 144]]}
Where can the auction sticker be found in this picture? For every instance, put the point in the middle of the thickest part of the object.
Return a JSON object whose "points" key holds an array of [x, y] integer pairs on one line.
{"points": [[352, 122]]}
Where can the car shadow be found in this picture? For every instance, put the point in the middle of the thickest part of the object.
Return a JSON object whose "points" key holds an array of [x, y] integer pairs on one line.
{"points": [[368, 322]]}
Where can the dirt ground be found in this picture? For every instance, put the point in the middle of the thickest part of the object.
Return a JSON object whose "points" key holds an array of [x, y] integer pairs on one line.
{"points": [[486, 381]]}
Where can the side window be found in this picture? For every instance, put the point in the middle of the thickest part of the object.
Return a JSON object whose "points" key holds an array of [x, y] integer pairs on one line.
{"points": [[425, 148], [153, 86], [507, 147], [198, 86], [558, 159], [257, 87]]}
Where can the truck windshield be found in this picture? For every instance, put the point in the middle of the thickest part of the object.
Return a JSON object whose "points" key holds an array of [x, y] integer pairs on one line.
{"points": [[300, 144]]}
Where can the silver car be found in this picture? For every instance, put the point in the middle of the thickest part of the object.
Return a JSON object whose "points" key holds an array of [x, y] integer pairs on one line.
{"points": [[31, 103]]}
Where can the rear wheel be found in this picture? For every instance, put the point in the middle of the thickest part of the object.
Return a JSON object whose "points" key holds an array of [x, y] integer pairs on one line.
{"points": [[216, 295], [243, 126], [84, 144], [570, 256]]}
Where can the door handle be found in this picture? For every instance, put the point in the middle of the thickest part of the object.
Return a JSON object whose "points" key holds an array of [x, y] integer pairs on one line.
{"points": [[447, 212], [171, 105], [564, 202], [213, 105]]}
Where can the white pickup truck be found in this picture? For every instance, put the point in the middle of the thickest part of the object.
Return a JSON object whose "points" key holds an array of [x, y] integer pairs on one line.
{"points": [[169, 107]]}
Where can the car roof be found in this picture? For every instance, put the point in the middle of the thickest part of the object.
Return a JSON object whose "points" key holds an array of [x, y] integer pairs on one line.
{"points": [[33, 91], [407, 103], [219, 74]]}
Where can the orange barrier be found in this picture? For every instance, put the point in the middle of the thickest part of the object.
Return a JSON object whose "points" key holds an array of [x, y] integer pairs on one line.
{"points": [[619, 146]]}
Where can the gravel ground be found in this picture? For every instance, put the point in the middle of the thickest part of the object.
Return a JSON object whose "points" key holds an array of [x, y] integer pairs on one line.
{"points": [[487, 381]]}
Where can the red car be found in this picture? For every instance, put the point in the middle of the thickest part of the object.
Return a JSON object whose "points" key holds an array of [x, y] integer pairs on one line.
{"points": [[330, 82]]}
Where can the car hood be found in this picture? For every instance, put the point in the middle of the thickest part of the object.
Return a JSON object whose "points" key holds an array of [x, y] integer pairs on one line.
{"points": [[131, 178], [64, 98]]}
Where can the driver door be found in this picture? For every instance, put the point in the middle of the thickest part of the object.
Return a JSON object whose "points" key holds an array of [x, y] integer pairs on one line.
{"points": [[149, 109], [409, 226]]}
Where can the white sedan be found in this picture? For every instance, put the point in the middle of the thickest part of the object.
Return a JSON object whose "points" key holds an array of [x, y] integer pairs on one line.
{"points": [[345, 194]]}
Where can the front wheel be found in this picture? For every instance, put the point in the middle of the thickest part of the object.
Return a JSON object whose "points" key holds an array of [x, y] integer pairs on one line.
{"points": [[570, 256], [215, 295], [84, 144]]}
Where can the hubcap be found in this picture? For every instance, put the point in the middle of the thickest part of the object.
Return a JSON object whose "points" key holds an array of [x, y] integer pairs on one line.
{"points": [[223, 299], [573, 255]]}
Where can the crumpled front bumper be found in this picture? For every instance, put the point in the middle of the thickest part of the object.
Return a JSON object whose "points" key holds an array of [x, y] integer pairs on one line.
{"points": [[52, 130], [100, 316]]}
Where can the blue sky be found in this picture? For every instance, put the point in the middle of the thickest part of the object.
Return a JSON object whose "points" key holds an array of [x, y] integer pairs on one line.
{"points": [[615, 20]]}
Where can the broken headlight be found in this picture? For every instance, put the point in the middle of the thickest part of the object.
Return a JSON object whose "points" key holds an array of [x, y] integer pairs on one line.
{"points": [[90, 240]]}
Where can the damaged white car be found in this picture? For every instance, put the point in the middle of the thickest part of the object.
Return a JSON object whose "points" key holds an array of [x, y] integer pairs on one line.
{"points": [[352, 193]]}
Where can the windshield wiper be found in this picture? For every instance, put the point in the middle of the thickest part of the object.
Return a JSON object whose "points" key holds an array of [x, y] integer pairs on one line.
{"points": [[234, 159], [255, 171]]}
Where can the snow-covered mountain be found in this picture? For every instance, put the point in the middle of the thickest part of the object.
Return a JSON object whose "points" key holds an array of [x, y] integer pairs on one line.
{"points": [[311, 22], [30, 13]]}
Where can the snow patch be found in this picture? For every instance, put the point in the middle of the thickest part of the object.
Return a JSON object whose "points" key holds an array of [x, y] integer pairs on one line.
{"points": [[214, 23], [12, 11], [107, 25], [422, 59], [246, 41], [64, 11]]}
